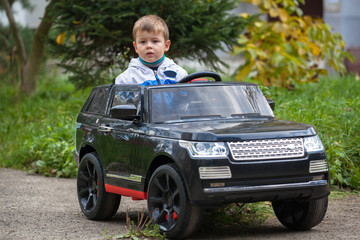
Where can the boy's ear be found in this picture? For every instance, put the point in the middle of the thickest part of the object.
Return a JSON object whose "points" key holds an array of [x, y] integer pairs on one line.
{"points": [[167, 45], [134, 44]]}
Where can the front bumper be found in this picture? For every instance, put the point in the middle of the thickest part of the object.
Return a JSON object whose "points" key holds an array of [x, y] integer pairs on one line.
{"points": [[255, 181], [214, 197]]}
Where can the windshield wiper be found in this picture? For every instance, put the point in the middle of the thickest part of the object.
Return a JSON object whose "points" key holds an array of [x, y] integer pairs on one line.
{"points": [[200, 116], [246, 115]]}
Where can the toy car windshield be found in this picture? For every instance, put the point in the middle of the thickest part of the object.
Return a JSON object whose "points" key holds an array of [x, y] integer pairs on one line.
{"points": [[186, 103]]}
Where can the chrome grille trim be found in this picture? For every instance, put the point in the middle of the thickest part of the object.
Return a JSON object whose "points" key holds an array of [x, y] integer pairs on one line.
{"points": [[214, 172], [318, 166], [267, 149]]}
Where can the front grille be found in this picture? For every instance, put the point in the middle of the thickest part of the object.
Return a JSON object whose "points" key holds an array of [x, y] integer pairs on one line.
{"points": [[267, 149]]}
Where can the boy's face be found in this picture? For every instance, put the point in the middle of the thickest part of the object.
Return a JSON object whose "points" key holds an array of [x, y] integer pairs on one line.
{"points": [[150, 46]]}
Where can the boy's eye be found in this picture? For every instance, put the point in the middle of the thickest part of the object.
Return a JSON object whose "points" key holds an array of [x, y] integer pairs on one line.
{"points": [[142, 42]]}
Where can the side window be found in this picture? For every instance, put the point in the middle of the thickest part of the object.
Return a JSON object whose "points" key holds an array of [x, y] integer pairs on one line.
{"points": [[127, 98], [97, 104]]}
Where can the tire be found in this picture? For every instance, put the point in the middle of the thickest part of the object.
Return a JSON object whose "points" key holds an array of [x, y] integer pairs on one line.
{"points": [[169, 205], [300, 215], [95, 203]]}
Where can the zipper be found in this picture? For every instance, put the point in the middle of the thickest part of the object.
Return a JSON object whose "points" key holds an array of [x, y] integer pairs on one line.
{"points": [[157, 77]]}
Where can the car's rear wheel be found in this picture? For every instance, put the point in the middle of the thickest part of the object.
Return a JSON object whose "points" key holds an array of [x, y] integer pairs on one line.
{"points": [[169, 205], [94, 201], [300, 214]]}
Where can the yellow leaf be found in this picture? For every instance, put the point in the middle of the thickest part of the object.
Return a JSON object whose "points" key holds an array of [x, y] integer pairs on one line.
{"points": [[277, 27], [260, 66], [256, 2], [273, 12], [283, 15], [267, 4], [342, 44], [244, 70], [258, 24], [72, 38], [315, 50], [244, 15], [60, 39], [301, 51], [75, 22]]}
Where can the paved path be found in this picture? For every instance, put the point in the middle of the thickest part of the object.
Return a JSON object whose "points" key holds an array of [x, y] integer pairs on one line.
{"points": [[36, 207]]}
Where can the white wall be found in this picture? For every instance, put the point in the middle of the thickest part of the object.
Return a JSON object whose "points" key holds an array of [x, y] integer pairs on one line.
{"points": [[344, 17], [24, 17]]}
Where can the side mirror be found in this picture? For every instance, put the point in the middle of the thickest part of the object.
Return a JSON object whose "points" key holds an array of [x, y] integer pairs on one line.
{"points": [[124, 112], [271, 103]]}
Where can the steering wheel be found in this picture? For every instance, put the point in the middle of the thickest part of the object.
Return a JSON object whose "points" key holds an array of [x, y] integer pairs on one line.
{"points": [[195, 75]]}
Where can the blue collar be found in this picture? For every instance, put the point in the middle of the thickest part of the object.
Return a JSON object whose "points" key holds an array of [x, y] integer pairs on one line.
{"points": [[153, 64]]}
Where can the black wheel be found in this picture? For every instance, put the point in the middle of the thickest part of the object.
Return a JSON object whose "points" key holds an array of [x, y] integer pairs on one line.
{"points": [[94, 202], [195, 75], [169, 205], [300, 215]]}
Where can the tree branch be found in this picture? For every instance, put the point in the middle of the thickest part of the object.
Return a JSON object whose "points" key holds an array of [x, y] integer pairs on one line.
{"points": [[15, 32]]}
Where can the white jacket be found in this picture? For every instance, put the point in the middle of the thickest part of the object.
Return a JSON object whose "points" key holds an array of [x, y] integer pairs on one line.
{"points": [[138, 73]]}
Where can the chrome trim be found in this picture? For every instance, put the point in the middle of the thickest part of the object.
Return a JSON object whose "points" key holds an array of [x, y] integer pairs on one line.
{"points": [[132, 177], [104, 128], [266, 187], [318, 166], [220, 172], [76, 157]]}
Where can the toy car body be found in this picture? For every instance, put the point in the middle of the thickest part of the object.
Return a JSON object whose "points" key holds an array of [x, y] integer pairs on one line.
{"points": [[187, 147]]}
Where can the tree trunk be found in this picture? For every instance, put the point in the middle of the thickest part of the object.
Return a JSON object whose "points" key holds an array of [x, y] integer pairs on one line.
{"points": [[20, 49], [33, 65], [30, 68]]}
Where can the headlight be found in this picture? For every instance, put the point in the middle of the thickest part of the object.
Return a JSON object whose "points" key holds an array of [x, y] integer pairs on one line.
{"points": [[313, 144], [205, 149]]}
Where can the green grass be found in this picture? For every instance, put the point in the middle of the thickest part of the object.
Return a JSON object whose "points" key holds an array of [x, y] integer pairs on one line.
{"points": [[247, 214], [333, 107], [37, 133]]}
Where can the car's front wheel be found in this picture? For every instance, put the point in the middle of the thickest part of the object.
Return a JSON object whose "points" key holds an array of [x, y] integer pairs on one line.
{"points": [[169, 205], [94, 201], [300, 214]]}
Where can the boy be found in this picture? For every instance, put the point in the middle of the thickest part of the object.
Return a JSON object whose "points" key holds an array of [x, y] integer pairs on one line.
{"points": [[151, 41]]}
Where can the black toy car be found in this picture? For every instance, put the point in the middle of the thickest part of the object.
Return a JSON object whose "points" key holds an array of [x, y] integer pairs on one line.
{"points": [[191, 146]]}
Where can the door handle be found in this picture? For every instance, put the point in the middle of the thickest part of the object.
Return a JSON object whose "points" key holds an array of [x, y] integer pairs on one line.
{"points": [[104, 128]]}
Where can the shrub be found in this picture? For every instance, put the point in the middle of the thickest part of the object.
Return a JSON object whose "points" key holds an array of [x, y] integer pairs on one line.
{"points": [[288, 49]]}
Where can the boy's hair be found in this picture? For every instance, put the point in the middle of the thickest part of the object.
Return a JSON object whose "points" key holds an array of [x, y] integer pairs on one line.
{"points": [[151, 23]]}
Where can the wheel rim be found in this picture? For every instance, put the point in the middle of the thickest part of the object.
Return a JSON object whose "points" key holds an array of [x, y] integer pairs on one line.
{"points": [[88, 186], [164, 201]]}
